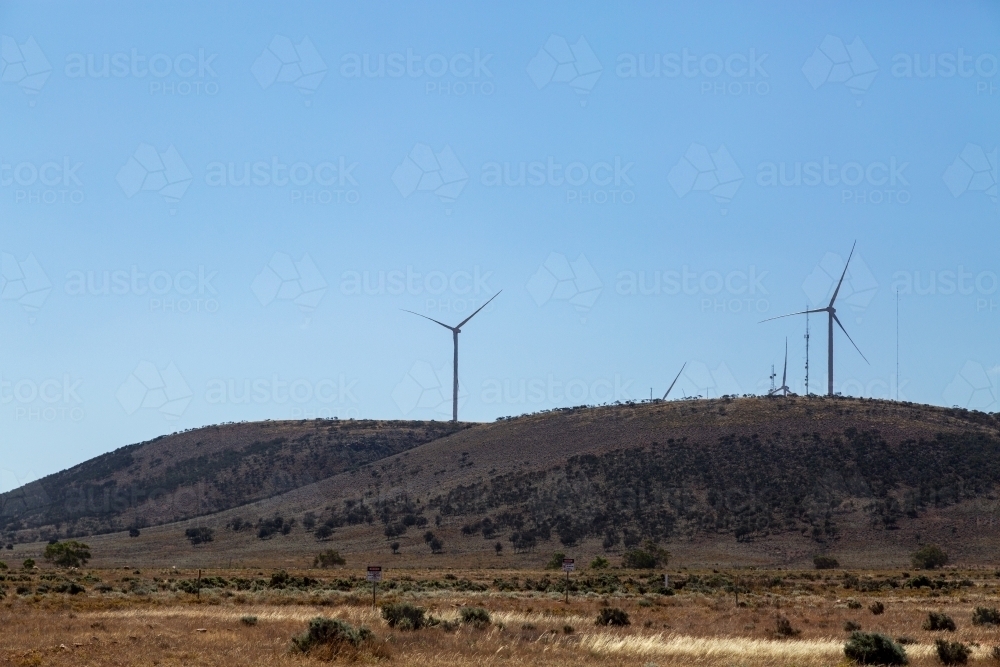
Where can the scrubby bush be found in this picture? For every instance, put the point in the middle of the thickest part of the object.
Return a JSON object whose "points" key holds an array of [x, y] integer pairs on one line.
{"points": [[329, 558], [404, 616], [613, 616], [851, 626], [937, 621], [3, 565], [68, 554], [995, 653], [395, 547], [600, 563], [199, 535], [28, 563], [853, 604], [783, 628], [929, 557], [645, 558], [555, 563], [268, 528], [330, 637], [133, 532], [986, 616], [872, 648], [475, 616], [876, 608], [825, 563], [952, 653], [248, 620], [309, 520]]}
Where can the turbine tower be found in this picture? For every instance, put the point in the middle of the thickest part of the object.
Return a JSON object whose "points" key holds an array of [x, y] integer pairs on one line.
{"points": [[455, 330], [784, 376], [831, 311], [675, 381]]}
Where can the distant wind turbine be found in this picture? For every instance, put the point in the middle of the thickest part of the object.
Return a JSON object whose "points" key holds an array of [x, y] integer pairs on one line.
{"points": [[831, 311], [784, 376], [455, 330], [675, 381]]}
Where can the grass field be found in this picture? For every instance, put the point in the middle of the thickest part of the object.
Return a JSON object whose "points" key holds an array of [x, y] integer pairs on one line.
{"points": [[170, 617]]}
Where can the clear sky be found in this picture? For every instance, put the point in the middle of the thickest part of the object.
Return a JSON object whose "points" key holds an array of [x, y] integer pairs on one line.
{"points": [[217, 212]]}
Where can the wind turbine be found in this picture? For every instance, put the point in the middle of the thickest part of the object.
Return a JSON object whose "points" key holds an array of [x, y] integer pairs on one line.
{"points": [[784, 376], [675, 381], [455, 330], [831, 311]]}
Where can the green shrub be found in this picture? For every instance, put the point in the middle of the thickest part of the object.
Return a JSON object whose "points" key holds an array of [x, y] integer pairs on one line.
{"points": [[600, 563], [872, 648], [783, 628], [986, 616], [825, 563], [876, 608], [929, 557], [555, 563], [68, 554], [853, 604], [28, 563], [404, 616], [3, 565], [475, 616], [331, 634], [646, 558], [199, 535], [613, 616], [329, 558], [952, 653], [939, 621], [851, 626], [249, 620]]}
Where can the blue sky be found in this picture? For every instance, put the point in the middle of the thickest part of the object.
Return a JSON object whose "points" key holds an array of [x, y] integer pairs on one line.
{"points": [[225, 221]]}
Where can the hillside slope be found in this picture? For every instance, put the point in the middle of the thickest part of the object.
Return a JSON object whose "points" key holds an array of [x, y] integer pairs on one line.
{"points": [[202, 471], [775, 477]]}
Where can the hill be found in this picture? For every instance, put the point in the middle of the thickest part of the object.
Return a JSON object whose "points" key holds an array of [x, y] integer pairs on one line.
{"points": [[202, 471], [751, 479]]}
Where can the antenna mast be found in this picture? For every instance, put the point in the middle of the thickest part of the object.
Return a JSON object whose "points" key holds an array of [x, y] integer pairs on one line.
{"points": [[807, 353]]}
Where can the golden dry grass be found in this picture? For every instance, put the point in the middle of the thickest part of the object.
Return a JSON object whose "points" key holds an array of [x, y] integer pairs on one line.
{"points": [[529, 628]]}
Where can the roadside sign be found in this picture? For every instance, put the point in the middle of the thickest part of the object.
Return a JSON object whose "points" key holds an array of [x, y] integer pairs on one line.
{"points": [[374, 573], [568, 565]]}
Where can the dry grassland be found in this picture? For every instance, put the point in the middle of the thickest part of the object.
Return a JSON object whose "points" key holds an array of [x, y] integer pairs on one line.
{"points": [[130, 618]]}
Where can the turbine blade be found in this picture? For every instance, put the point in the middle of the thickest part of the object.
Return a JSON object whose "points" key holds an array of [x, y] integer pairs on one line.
{"points": [[837, 320], [801, 312], [784, 372], [429, 318], [675, 381], [459, 325], [846, 264]]}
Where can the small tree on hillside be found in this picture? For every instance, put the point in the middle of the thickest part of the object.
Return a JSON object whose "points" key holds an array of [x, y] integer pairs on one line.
{"points": [[68, 554], [929, 557]]}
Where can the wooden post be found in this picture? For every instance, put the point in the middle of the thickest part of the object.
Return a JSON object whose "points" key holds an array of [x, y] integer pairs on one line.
{"points": [[567, 586]]}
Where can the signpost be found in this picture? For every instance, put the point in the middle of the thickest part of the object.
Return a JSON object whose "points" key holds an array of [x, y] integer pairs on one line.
{"points": [[374, 575], [568, 566]]}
